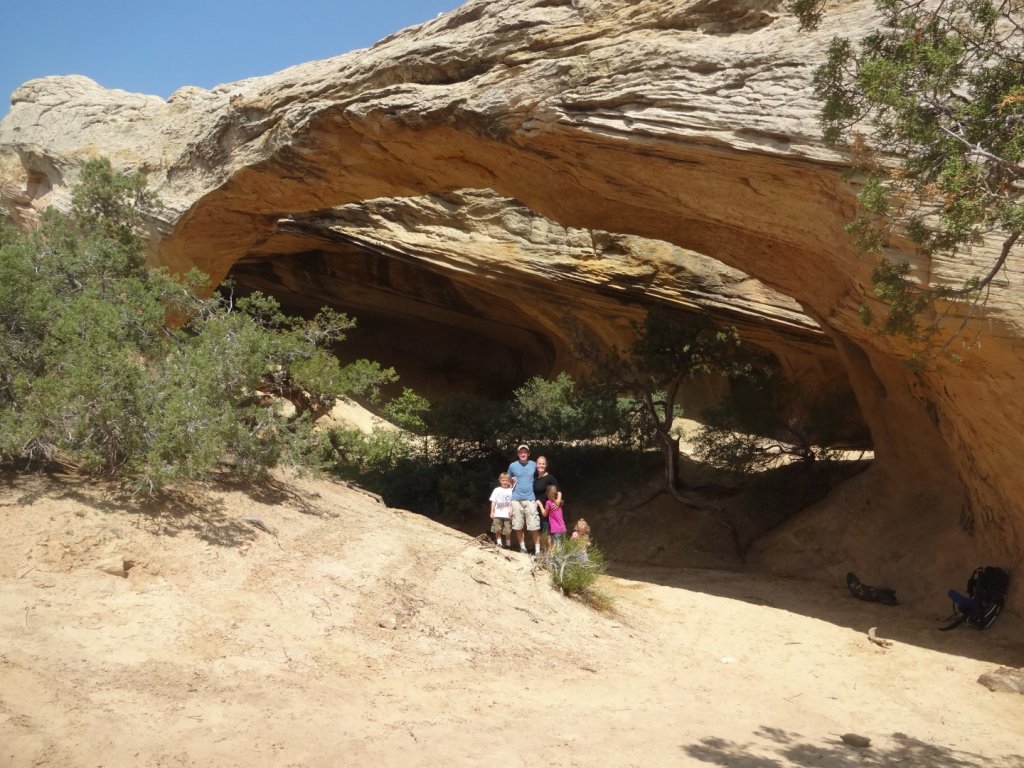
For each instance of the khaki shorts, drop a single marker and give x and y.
(525, 512)
(501, 525)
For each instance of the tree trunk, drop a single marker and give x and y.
(670, 450)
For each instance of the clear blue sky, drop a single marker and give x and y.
(157, 46)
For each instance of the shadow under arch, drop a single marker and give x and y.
(833, 603)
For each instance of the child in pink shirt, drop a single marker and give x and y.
(555, 515)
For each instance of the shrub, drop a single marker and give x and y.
(467, 427)
(130, 372)
(575, 568)
(387, 462)
(764, 420)
(462, 489)
(561, 410)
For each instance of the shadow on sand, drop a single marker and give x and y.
(774, 748)
(197, 511)
(834, 604)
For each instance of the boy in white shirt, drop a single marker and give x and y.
(501, 510)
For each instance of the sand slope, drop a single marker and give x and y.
(358, 635)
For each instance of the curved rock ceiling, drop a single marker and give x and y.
(680, 126)
(472, 290)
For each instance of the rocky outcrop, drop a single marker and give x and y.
(686, 123)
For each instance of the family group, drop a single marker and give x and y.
(528, 499)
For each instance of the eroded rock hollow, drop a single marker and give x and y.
(458, 182)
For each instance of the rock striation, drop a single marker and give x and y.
(681, 126)
(473, 290)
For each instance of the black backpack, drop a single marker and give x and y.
(986, 593)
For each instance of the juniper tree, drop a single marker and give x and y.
(932, 106)
(131, 372)
(670, 349)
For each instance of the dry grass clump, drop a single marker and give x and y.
(575, 566)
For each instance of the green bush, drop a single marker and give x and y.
(463, 490)
(764, 419)
(389, 463)
(360, 453)
(467, 427)
(130, 372)
(561, 410)
(575, 568)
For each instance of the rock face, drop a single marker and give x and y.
(467, 287)
(677, 125)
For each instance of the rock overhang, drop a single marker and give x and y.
(650, 119)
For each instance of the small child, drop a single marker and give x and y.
(582, 534)
(556, 516)
(501, 510)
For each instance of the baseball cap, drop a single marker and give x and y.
(521, 447)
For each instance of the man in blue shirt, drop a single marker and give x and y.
(524, 503)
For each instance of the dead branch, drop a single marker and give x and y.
(878, 640)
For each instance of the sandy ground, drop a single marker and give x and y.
(180, 634)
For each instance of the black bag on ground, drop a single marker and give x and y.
(871, 594)
(985, 598)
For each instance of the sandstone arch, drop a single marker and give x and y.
(651, 118)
